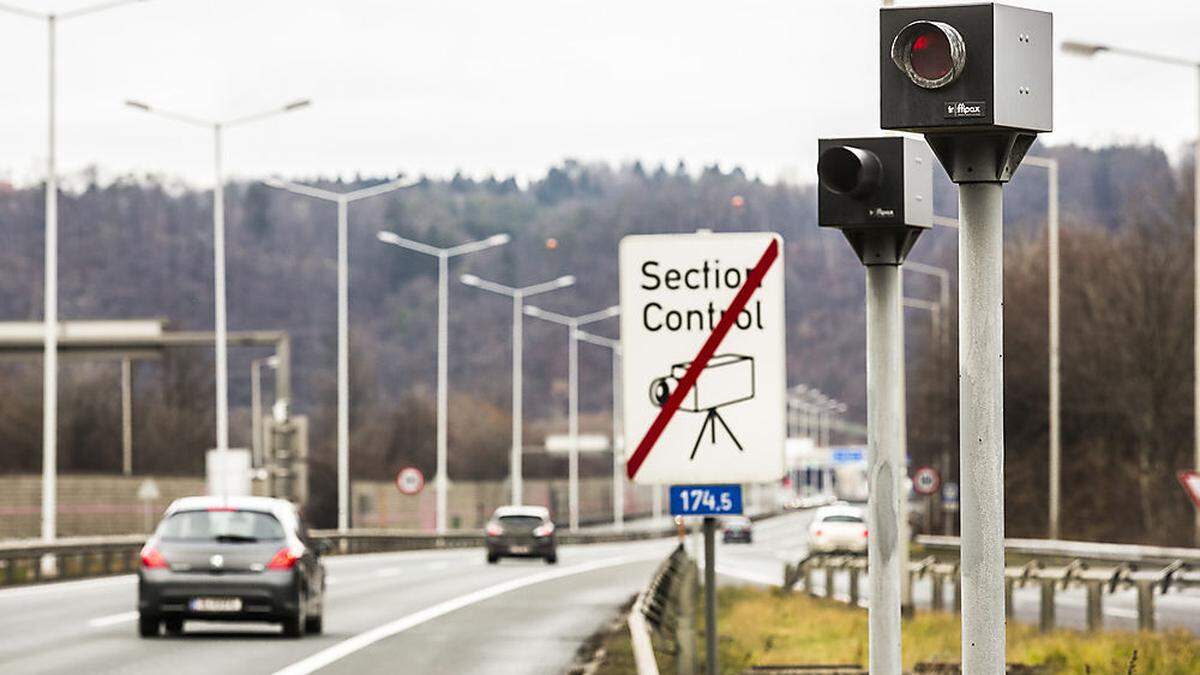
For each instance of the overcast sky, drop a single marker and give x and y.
(486, 86)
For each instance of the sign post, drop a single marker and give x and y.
(703, 375)
(926, 482)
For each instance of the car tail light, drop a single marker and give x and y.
(285, 559)
(494, 530)
(864, 531)
(544, 530)
(152, 559)
(817, 533)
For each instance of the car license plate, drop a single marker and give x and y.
(518, 549)
(215, 605)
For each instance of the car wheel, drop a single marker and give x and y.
(293, 626)
(147, 625)
(552, 559)
(174, 626)
(314, 624)
(492, 558)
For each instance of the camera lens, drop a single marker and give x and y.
(850, 171)
(931, 53)
(660, 391)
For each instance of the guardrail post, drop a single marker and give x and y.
(808, 580)
(1009, 582)
(1145, 604)
(1046, 607)
(854, 571)
(936, 600)
(829, 582)
(1095, 607)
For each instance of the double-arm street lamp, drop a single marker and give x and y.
(618, 476)
(572, 323)
(518, 296)
(50, 313)
(443, 256)
(217, 127)
(343, 201)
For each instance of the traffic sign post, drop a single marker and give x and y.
(926, 481)
(410, 480)
(704, 374)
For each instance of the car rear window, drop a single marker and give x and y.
(231, 526)
(529, 522)
(842, 518)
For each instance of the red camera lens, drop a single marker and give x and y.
(930, 55)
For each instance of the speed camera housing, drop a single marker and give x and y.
(946, 71)
(878, 191)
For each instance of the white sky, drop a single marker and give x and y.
(511, 87)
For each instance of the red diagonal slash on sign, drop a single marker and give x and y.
(701, 361)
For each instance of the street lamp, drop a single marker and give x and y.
(572, 324)
(343, 200)
(1089, 49)
(518, 296)
(618, 477)
(217, 126)
(50, 313)
(443, 255)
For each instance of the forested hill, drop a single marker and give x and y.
(139, 248)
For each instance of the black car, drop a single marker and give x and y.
(521, 531)
(231, 559)
(739, 528)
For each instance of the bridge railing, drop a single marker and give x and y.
(1051, 566)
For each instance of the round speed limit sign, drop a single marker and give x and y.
(926, 481)
(410, 480)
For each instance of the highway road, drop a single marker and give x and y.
(443, 611)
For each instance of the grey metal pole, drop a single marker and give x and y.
(1055, 357)
(573, 424)
(127, 416)
(256, 412)
(981, 391)
(901, 456)
(710, 596)
(343, 371)
(618, 486)
(443, 478)
(517, 438)
(886, 465)
(50, 354)
(222, 346)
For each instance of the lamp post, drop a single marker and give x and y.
(50, 290)
(618, 476)
(343, 201)
(217, 127)
(1089, 49)
(256, 430)
(518, 296)
(443, 255)
(572, 324)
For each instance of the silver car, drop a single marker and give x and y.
(231, 559)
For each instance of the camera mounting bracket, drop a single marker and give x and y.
(980, 157)
(875, 246)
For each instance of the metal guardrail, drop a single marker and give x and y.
(666, 606)
(1148, 575)
(82, 557)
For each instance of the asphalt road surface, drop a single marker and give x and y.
(444, 611)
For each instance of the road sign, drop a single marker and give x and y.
(927, 480)
(848, 455)
(410, 480)
(706, 500)
(702, 334)
(1190, 480)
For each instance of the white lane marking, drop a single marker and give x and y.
(437, 566)
(1122, 613)
(71, 586)
(366, 639)
(105, 621)
(388, 572)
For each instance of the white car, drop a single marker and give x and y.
(838, 529)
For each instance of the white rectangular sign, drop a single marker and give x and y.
(730, 426)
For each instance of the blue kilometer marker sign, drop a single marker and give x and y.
(706, 500)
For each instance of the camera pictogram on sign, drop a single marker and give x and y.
(725, 380)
